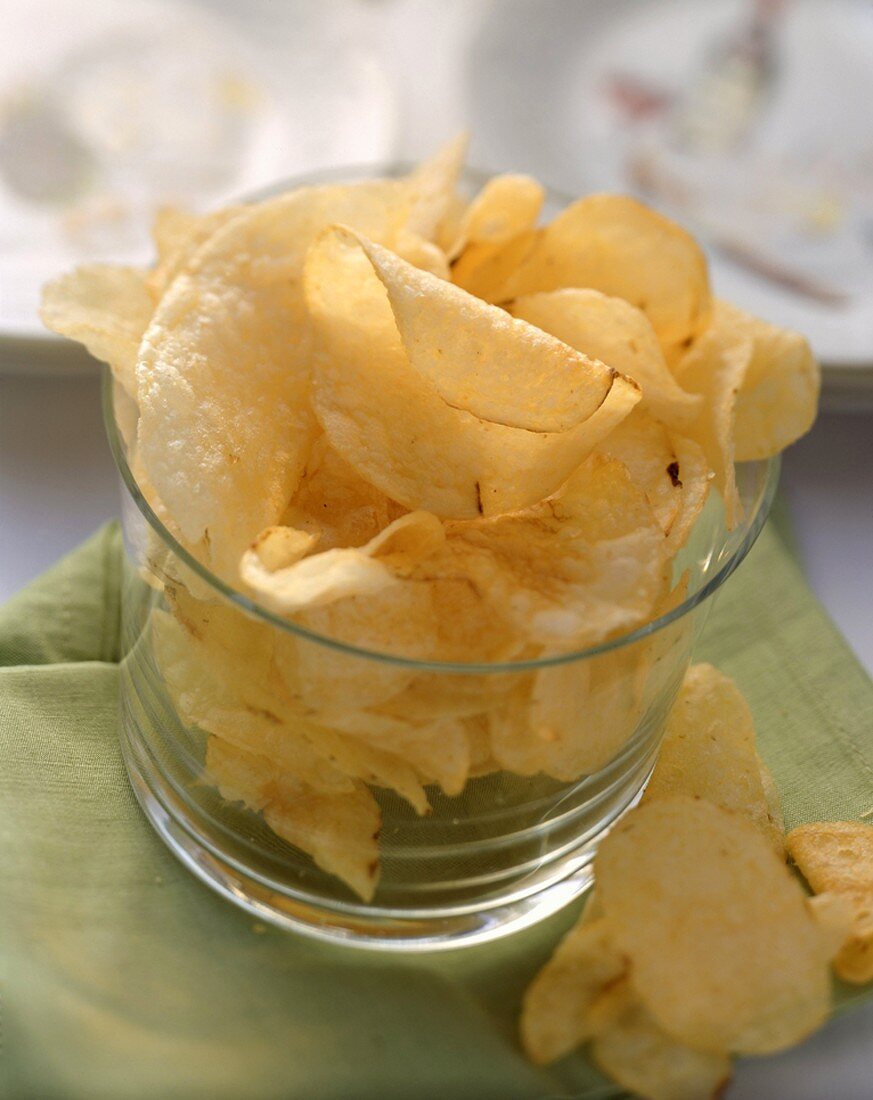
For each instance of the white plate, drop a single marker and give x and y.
(796, 192)
(108, 111)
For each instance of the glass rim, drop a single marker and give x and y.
(251, 607)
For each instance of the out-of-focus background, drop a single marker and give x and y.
(748, 120)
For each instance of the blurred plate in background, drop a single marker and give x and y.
(747, 120)
(110, 110)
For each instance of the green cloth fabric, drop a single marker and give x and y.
(124, 977)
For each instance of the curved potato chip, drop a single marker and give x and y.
(778, 399)
(575, 569)
(177, 235)
(233, 322)
(556, 1014)
(618, 334)
(708, 752)
(715, 368)
(438, 750)
(722, 947)
(431, 189)
(645, 447)
(484, 268)
(573, 720)
(339, 831)
(206, 696)
(617, 245)
(481, 360)
(396, 430)
(334, 502)
(837, 856)
(107, 309)
(694, 477)
(506, 206)
(335, 574)
(395, 620)
(634, 1051)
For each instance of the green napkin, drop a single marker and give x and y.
(124, 977)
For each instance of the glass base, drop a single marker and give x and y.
(378, 930)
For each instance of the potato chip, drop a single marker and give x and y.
(107, 309)
(394, 620)
(240, 649)
(694, 477)
(644, 446)
(572, 720)
(478, 358)
(339, 831)
(335, 503)
(233, 323)
(280, 547)
(759, 385)
(779, 396)
(397, 432)
(375, 767)
(573, 570)
(618, 334)
(715, 368)
(556, 1011)
(431, 189)
(506, 206)
(634, 1051)
(614, 244)
(438, 750)
(339, 573)
(178, 234)
(722, 947)
(708, 752)
(484, 268)
(837, 857)
(221, 706)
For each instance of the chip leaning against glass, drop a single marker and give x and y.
(430, 429)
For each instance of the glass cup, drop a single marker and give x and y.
(241, 730)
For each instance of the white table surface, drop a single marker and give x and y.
(57, 483)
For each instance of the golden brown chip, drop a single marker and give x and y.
(105, 308)
(577, 568)
(178, 234)
(779, 396)
(339, 831)
(335, 503)
(484, 269)
(837, 857)
(296, 583)
(572, 720)
(645, 448)
(481, 360)
(708, 751)
(233, 324)
(634, 1051)
(204, 694)
(614, 244)
(556, 1013)
(694, 476)
(506, 206)
(618, 334)
(715, 368)
(723, 950)
(395, 428)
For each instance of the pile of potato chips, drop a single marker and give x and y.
(424, 427)
(699, 942)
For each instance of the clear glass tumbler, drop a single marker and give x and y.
(482, 834)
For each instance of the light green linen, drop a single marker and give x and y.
(124, 977)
